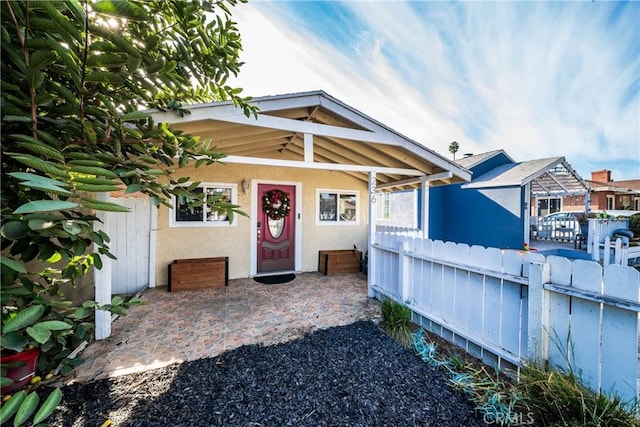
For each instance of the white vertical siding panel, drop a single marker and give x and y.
(130, 233)
(492, 296)
(620, 333)
(493, 260)
(586, 341)
(512, 263)
(389, 275)
(560, 323)
(476, 293)
(143, 230)
(461, 294)
(560, 270)
(132, 243)
(437, 281)
(510, 317)
(448, 282)
(524, 325)
(415, 266)
(423, 297)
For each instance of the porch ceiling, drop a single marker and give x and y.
(335, 133)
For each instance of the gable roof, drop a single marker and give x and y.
(550, 176)
(474, 160)
(316, 131)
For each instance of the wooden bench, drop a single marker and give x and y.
(198, 273)
(339, 261)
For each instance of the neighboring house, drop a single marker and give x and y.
(493, 209)
(608, 195)
(308, 151)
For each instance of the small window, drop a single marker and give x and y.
(636, 203)
(611, 202)
(384, 206)
(548, 205)
(183, 215)
(337, 207)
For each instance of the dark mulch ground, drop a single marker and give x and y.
(353, 375)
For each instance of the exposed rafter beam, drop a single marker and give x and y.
(443, 176)
(313, 128)
(320, 166)
(553, 178)
(326, 158)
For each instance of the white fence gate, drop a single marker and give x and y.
(506, 307)
(130, 243)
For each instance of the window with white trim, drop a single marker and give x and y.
(183, 215)
(384, 206)
(337, 207)
(611, 202)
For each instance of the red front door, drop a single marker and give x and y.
(276, 227)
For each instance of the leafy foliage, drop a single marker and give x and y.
(76, 78)
(634, 224)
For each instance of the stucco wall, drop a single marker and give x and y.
(234, 242)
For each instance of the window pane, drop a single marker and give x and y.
(186, 213)
(328, 206)
(225, 195)
(347, 207)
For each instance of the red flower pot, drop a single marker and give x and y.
(21, 375)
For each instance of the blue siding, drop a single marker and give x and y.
(492, 217)
(490, 164)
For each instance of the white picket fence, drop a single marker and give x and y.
(506, 306)
(602, 246)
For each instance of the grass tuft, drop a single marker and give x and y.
(542, 396)
(561, 398)
(395, 321)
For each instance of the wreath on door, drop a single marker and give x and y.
(276, 204)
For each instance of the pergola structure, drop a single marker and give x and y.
(548, 177)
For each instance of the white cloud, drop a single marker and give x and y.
(537, 79)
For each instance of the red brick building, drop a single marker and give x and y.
(607, 194)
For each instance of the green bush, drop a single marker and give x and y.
(634, 225)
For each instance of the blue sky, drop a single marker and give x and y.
(537, 79)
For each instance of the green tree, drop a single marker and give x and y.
(453, 148)
(75, 77)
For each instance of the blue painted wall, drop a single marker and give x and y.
(492, 217)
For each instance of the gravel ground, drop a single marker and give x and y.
(351, 375)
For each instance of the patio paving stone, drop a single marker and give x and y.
(181, 326)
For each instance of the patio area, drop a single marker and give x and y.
(181, 326)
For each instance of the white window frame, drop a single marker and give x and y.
(384, 198)
(173, 223)
(548, 199)
(611, 202)
(338, 193)
(636, 203)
